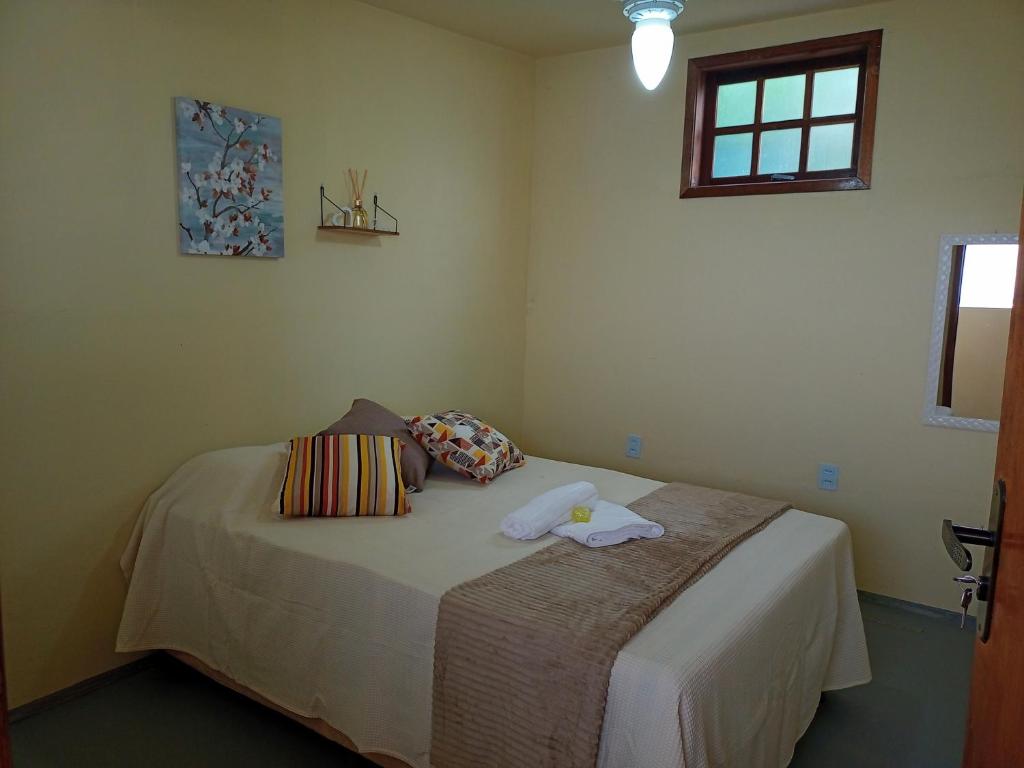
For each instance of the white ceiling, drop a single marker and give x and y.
(549, 27)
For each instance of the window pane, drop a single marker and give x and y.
(831, 146)
(732, 155)
(835, 92)
(783, 98)
(780, 151)
(988, 277)
(736, 104)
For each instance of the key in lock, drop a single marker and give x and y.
(965, 602)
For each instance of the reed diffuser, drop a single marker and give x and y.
(360, 218)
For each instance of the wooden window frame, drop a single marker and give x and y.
(706, 74)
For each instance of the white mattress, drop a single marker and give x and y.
(334, 619)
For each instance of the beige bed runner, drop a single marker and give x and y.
(523, 655)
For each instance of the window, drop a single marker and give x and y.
(986, 274)
(793, 118)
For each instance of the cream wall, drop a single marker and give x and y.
(747, 339)
(121, 358)
(979, 361)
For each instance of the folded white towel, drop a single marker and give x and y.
(544, 512)
(610, 524)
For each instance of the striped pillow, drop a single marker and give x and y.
(344, 476)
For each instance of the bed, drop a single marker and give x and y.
(332, 621)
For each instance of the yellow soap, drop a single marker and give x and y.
(580, 514)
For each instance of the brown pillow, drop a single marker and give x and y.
(366, 417)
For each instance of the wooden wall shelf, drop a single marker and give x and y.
(368, 232)
(357, 231)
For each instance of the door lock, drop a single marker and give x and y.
(956, 536)
(980, 587)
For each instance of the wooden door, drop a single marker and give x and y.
(995, 724)
(5, 742)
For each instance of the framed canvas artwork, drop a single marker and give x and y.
(231, 198)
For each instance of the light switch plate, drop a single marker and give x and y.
(634, 446)
(828, 477)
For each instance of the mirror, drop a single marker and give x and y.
(970, 330)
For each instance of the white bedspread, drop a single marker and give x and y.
(334, 619)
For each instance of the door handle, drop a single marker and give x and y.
(956, 536)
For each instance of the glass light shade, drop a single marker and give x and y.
(652, 50)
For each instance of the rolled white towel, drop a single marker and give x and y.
(544, 512)
(610, 524)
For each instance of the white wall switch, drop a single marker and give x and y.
(634, 446)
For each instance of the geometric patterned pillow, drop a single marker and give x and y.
(344, 476)
(462, 442)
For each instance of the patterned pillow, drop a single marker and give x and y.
(344, 476)
(462, 442)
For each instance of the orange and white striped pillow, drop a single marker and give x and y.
(344, 476)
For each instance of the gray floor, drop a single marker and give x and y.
(912, 715)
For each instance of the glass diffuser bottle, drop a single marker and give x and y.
(360, 218)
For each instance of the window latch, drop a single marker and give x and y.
(783, 177)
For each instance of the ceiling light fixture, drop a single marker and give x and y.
(652, 38)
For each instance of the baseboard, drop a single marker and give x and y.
(89, 685)
(942, 614)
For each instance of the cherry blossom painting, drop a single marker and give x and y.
(229, 180)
